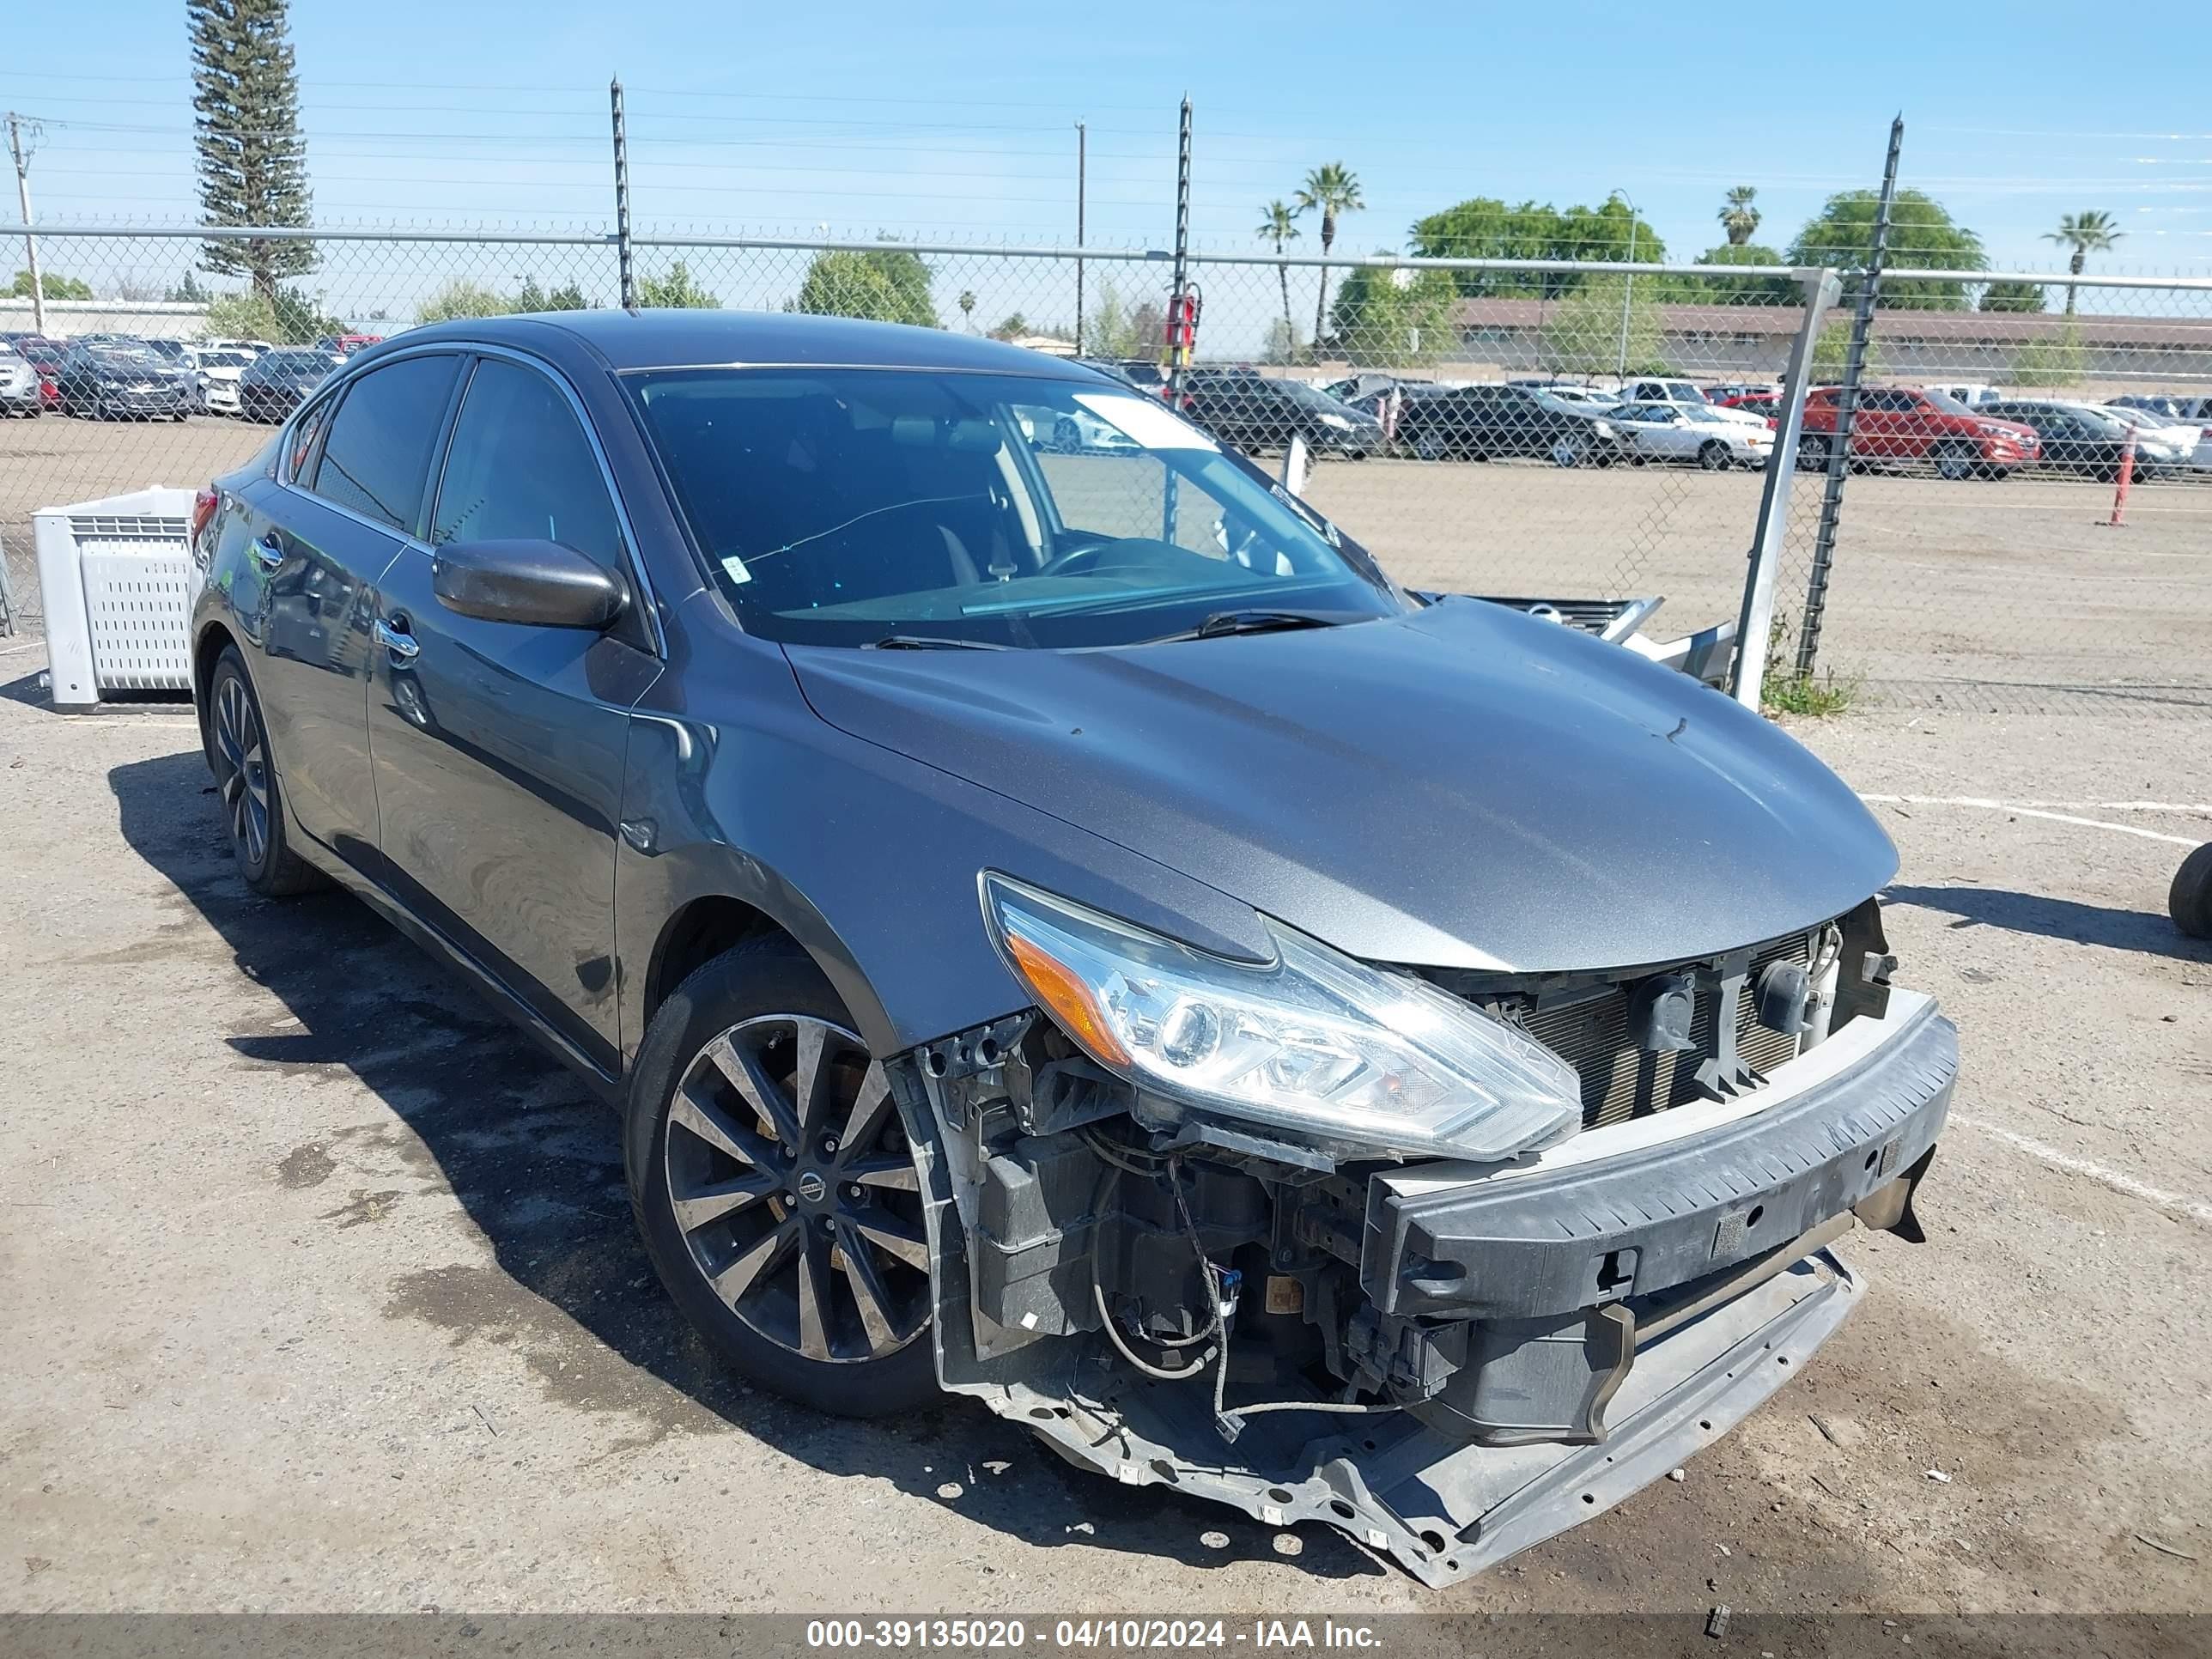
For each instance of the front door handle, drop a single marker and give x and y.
(397, 642)
(269, 551)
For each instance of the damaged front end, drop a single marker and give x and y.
(1449, 1354)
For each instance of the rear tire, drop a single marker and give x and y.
(1813, 451)
(247, 783)
(1713, 456)
(798, 1252)
(2190, 900)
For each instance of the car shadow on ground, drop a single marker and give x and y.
(535, 1160)
(2150, 930)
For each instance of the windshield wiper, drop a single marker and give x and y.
(934, 642)
(1254, 622)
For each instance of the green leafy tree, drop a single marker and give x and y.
(251, 161)
(882, 284)
(675, 290)
(463, 298)
(1735, 290)
(1394, 317)
(567, 297)
(2013, 296)
(2093, 232)
(290, 319)
(2053, 363)
(1278, 224)
(968, 309)
(1011, 327)
(1833, 349)
(529, 297)
(1921, 232)
(1332, 191)
(1485, 227)
(1113, 329)
(53, 287)
(189, 292)
(1584, 332)
(1738, 217)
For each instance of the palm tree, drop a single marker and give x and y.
(2093, 232)
(1330, 190)
(968, 309)
(1278, 224)
(1737, 215)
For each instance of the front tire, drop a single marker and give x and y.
(1812, 451)
(1714, 456)
(246, 780)
(2190, 900)
(773, 1186)
(1955, 461)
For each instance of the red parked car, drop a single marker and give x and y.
(1903, 424)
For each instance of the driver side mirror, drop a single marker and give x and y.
(539, 582)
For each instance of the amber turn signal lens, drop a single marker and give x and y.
(1068, 1000)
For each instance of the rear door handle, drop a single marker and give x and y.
(269, 551)
(397, 642)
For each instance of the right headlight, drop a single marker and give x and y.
(1313, 1045)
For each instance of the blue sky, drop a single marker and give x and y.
(957, 120)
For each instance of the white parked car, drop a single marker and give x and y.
(1691, 432)
(1584, 398)
(219, 368)
(1972, 394)
(1687, 394)
(2158, 440)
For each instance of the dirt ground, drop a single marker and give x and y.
(321, 1292)
(2000, 596)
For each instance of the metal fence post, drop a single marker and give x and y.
(1082, 181)
(624, 264)
(1756, 617)
(1847, 408)
(1178, 353)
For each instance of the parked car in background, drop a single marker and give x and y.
(1684, 394)
(250, 348)
(2169, 444)
(1486, 422)
(345, 345)
(1905, 423)
(1353, 387)
(1768, 403)
(1735, 393)
(2073, 437)
(1577, 396)
(274, 384)
(122, 380)
(1009, 915)
(1676, 432)
(22, 386)
(221, 367)
(1252, 412)
(1972, 394)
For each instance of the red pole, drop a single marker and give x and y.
(2118, 521)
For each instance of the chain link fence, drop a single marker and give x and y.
(1543, 428)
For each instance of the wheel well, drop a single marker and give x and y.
(694, 935)
(211, 646)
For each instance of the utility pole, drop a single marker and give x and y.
(625, 265)
(1627, 297)
(30, 237)
(1082, 160)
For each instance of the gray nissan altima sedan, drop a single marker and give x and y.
(1062, 926)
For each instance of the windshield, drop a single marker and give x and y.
(843, 506)
(295, 362)
(123, 356)
(225, 359)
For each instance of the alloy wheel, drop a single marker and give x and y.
(794, 1189)
(242, 758)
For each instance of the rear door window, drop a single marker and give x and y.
(377, 456)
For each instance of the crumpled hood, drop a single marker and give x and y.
(1464, 786)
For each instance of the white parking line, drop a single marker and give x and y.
(28, 645)
(2192, 1208)
(2019, 810)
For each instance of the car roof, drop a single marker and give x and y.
(672, 338)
